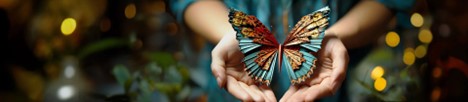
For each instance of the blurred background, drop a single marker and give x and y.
(135, 50)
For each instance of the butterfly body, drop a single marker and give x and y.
(262, 52)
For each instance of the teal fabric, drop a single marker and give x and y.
(177, 8)
(272, 14)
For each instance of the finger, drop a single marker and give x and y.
(292, 89)
(239, 73)
(321, 73)
(318, 91)
(258, 91)
(268, 93)
(255, 96)
(297, 96)
(236, 90)
(218, 67)
(340, 63)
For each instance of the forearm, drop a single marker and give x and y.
(209, 19)
(363, 24)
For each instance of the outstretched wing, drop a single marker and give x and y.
(305, 39)
(258, 45)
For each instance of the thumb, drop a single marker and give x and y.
(340, 63)
(218, 67)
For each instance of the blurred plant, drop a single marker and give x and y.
(377, 78)
(161, 79)
(89, 29)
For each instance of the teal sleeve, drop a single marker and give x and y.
(402, 9)
(177, 8)
(398, 5)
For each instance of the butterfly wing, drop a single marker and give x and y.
(258, 45)
(305, 39)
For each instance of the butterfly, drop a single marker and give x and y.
(262, 52)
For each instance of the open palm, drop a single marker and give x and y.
(331, 71)
(229, 71)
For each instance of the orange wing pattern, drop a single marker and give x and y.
(257, 44)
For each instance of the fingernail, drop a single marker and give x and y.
(219, 81)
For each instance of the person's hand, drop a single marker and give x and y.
(327, 78)
(229, 71)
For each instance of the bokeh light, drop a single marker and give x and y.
(408, 56)
(68, 26)
(420, 51)
(130, 11)
(380, 84)
(436, 72)
(69, 71)
(417, 20)
(377, 72)
(435, 95)
(392, 39)
(425, 36)
(444, 30)
(65, 92)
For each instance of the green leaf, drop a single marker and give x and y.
(153, 69)
(101, 45)
(145, 87)
(168, 87)
(122, 76)
(184, 72)
(164, 59)
(184, 93)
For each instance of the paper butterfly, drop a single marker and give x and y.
(261, 50)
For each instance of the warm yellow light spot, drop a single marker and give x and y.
(425, 36)
(408, 56)
(68, 26)
(417, 20)
(377, 72)
(420, 51)
(130, 11)
(435, 94)
(392, 39)
(409, 49)
(436, 72)
(380, 84)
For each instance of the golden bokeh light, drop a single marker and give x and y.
(392, 39)
(380, 84)
(130, 11)
(68, 26)
(377, 72)
(420, 51)
(417, 20)
(408, 56)
(425, 36)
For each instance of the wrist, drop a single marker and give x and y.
(330, 34)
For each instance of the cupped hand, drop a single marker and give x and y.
(229, 72)
(327, 78)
